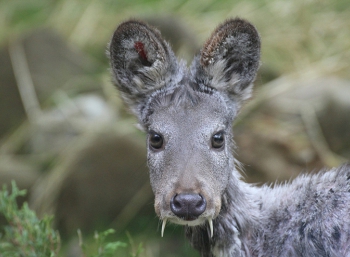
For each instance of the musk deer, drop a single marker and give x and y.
(187, 115)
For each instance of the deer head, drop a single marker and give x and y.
(187, 113)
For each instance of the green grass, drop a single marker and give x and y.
(26, 235)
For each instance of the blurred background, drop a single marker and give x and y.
(67, 138)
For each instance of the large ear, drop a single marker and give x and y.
(141, 62)
(229, 60)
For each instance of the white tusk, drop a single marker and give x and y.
(211, 226)
(163, 227)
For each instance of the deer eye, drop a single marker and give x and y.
(155, 140)
(218, 140)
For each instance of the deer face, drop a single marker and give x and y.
(189, 154)
(187, 114)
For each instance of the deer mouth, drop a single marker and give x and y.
(190, 209)
(197, 222)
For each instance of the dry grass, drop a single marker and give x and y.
(298, 36)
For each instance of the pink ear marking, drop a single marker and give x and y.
(140, 48)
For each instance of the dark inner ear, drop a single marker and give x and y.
(140, 48)
(232, 65)
(141, 63)
(245, 35)
(135, 45)
(237, 43)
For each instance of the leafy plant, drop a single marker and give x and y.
(103, 248)
(25, 235)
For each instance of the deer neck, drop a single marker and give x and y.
(234, 226)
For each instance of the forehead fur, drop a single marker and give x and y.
(186, 97)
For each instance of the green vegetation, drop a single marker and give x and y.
(25, 235)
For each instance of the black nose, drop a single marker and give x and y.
(188, 206)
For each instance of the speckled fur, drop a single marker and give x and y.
(308, 217)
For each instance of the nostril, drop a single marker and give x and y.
(188, 206)
(177, 202)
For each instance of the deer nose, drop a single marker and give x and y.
(188, 206)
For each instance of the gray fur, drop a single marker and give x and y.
(307, 217)
(135, 77)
